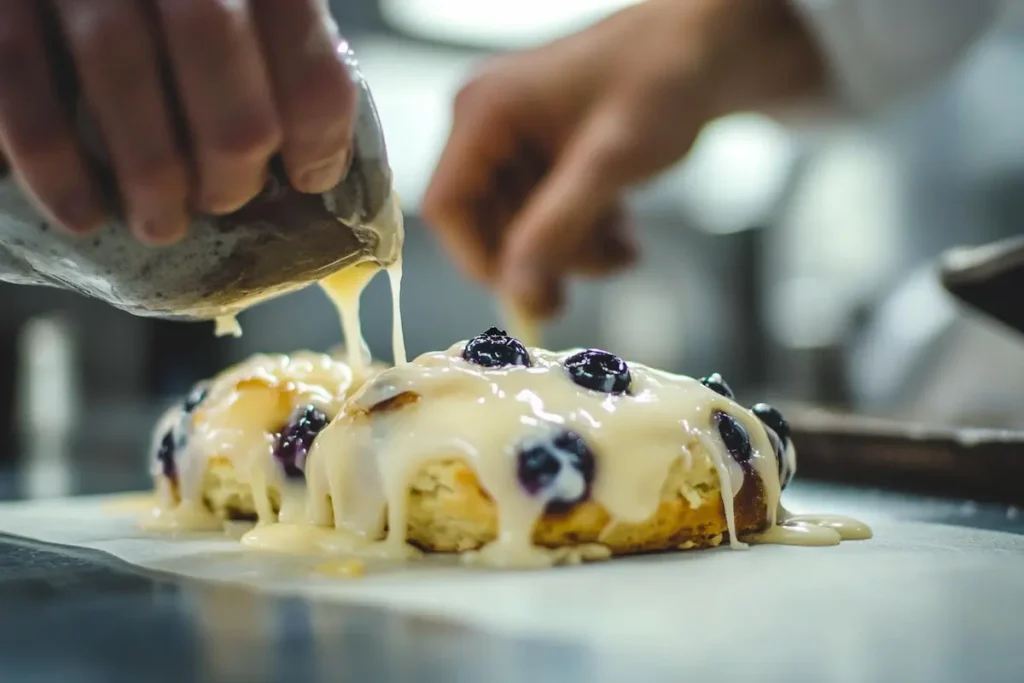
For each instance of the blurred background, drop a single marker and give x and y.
(797, 261)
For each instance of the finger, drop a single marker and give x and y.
(116, 58)
(462, 190)
(560, 217)
(35, 132)
(222, 80)
(612, 246)
(315, 95)
(512, 180)
(609, 248)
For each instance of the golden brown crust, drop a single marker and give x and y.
(449, 511)
(406, 398)
(229, 498)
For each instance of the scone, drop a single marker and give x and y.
(237, 445)
(531, 456)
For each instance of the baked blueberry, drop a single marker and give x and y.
(165, 455)
(774, 420)
(296, 438)
(559, 469)
(777, 446)
(734, 436)
(195, 397)
(599, 370)
(495, 349)
(715, 383)
(785, 474)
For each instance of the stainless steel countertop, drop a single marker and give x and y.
(75, 616)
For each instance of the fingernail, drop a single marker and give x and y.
(218, 204)
(163, 229)
(79, 211)
(322, 177)
(532, 289)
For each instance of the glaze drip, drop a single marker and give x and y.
(541, 433)
(537, 442)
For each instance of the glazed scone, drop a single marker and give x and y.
(525, 454)
(238, 444)
(449, 511)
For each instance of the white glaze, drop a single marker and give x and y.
(245, 407)
(364, 463)
(481, 414)
(248, 403)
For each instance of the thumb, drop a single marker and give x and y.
(550, 233)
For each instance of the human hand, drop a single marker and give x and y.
(192, 98)
(529, 189)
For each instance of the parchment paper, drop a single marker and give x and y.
(914, 589)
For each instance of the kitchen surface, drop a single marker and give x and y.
(72, 614)
(801, 259)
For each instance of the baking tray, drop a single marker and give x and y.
(955, 461)
(959, 462)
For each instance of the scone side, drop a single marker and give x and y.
(449, 511)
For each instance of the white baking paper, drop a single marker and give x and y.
(927, 584)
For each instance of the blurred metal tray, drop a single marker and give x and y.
(980, 464)
(985, 464)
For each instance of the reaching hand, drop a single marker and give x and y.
(530, 186)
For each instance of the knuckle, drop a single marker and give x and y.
(476, 95)
(613, 142)
(493, 89)
(487, 100)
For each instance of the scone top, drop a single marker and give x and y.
(543, 431)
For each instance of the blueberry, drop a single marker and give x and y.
(785, 474)
(715, 383)
(777, 446)
(495, 349)
(773, 419)
(734, 436)
(559, 469)
(195, 397)
(780, 455)
(165, 455)
(296, 438)
(599, 371)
